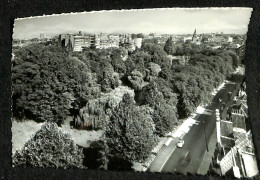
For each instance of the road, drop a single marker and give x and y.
(195, 142)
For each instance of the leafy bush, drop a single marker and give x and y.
(50, 147)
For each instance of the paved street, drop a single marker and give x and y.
(194, 140)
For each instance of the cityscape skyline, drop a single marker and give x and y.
(161, 21)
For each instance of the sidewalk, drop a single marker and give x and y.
(203, 169)
(207, 159)
(144, 166)
(161, 153)
(162, 157)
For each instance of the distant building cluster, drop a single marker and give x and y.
(130, 42)
(77, 42)
(208, 38)
(42, 36)
(235, 155)
(162, 38)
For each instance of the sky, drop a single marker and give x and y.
(161, 21)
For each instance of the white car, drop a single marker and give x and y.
(180, 143)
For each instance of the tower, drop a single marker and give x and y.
(42, 35)
(194, 36)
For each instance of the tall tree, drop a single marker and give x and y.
(130, 132)
(50, 148)
(169, 47)
(165, 112)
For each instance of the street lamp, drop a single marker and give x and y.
(205, 136)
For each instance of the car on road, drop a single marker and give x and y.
(185, 159)
(180, 143)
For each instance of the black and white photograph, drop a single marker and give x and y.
(158, 90)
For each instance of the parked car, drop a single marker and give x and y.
(180, 143)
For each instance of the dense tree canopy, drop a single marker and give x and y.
(136, 80)
(158, 55)
(139, 35)
(196, 81)
(187, 49)
(110, 79)
(138, 61)
(130, 132)
(164, 102)
(153, 41)
(152, 71)
(47, 83)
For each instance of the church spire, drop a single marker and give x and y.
(194, 34)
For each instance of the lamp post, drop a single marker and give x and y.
(205, 136)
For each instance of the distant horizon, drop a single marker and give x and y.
(178, 21)
(53, 35)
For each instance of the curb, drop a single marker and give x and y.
(167, 158)
(154, 153)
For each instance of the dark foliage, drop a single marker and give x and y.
(163, 101)
(169, 47)
(136, 80)
(153, 41)
(130, 132)
(237, 78)
(196, 81)
(47, 83)
(138, 61)
(158, 55)
(50, 147)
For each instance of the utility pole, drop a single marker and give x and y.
(205, 136)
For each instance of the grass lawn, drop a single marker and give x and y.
(23, 131)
